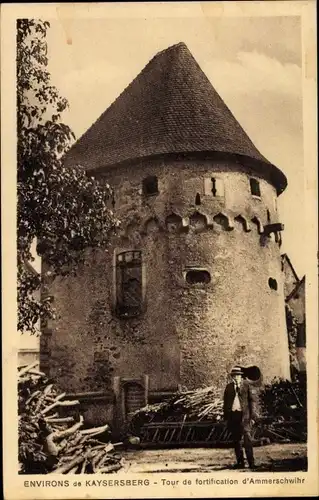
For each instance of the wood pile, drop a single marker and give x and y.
(284, 411)
(52, 435)
(201, 404)
(282, 408)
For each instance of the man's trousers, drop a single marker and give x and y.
(239, 429)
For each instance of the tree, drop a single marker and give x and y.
(63, 209)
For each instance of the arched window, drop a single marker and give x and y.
(129, 288)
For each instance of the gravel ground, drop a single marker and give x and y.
(274, 458)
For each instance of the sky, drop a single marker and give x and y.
(254, 63)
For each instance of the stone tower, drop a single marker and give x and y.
(192, 283)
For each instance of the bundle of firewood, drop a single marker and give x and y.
(280, 405)
(200, 404)
(52, 437)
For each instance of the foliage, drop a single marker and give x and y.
(292, 327)
(64, 209)
(283, 398)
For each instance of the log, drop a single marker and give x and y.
(104, 456)
(75, 444)
(95, 430)
(109, 447)
(73, 471)
(39, 403)
(98, 447)
(49, 399)
(54, 415)
(118, 445)
(97, 459)
(37, 373)
(70, 430)
(93, 441)
(53, 420)
(74, 454)
(48, 389)
(97, 433)
(67, 403)
(33, 395)
(60, 396)
(66, 467)
(83, 466)
(75, 449)
(51, 447)
(62, 444)
(28, 368)
(109, 468)
(59, 403)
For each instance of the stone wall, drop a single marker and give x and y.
(187, 334)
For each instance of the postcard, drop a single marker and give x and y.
(160, 260)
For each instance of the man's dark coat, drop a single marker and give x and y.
(247, 400)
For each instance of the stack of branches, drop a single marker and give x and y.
(281, 408)
(284, 399)
(201, 404)
(284, 411)
(52, 437)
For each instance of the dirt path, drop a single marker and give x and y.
(276, 457)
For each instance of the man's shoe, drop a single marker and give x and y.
(253, 467)
(239, 465)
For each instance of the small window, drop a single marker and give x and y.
(214, 186)
(150, 186)
(129, 283)
(268, 216)
(197, 199)
(254, 187)
(113, 200)
(273, 284)
(197, 276)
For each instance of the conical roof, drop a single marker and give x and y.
(170, 107)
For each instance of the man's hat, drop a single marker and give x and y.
(237, 370)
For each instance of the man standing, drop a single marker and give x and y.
(239, 413)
